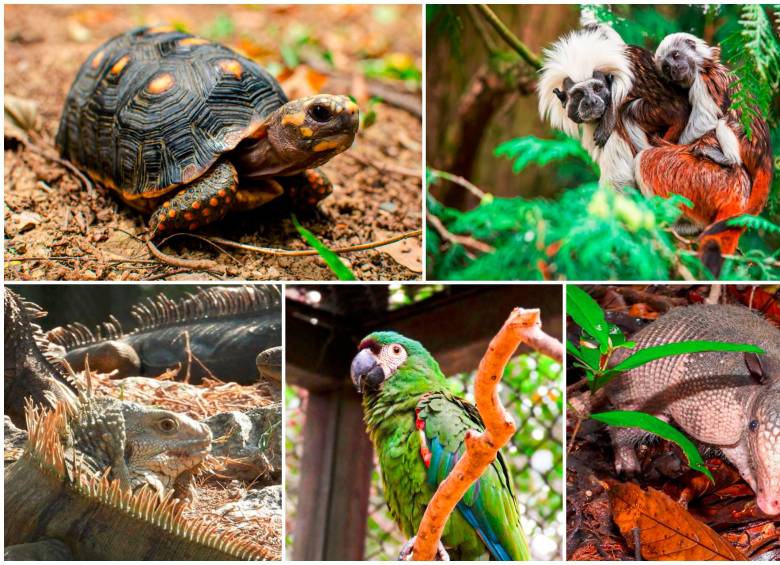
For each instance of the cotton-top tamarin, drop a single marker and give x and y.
(742, 183)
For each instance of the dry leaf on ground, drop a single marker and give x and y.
(666, 530)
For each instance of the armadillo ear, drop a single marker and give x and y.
(756, 367)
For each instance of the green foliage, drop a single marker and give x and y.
(649, 423)
(445, 20)
(754, 222)
(331, 259)
(531, 149)
(753, 53)
(590, 233)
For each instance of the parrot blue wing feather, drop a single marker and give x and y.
(471, 505)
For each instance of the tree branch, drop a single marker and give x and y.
(510, 38)
(522, 326)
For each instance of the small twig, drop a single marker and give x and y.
(201, 238)
(510, 38)
(194, 264)
(637, 543)
(472, 188)
(522, 326)
(307, 252)
(466, 241)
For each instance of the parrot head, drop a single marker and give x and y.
(381, 355)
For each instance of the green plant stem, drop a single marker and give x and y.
(510, 38)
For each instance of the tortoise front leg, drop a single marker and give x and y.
(306, 189)
(204, 201)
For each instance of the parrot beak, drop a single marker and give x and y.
(366, 370)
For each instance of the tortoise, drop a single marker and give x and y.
(189, 130)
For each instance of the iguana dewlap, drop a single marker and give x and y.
(728, 400)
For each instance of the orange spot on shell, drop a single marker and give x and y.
(171, 213)
(231, 67)
(227, 200)
(214, 202)
(167, 204)
(120, 64)
(190, 41)
(221, 193)
(161, 83)
(97, 59)
(193, 226)
(206, 212)
(196, 205)
(188, 216)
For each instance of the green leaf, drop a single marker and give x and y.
(631, 419)
(659, 351)
(330, 258)
(573, 350)
(587, 314)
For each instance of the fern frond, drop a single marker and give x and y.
(754, 223)
(533, 150)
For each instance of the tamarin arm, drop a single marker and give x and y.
(606, 126)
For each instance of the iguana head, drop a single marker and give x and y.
(161, 444)
(142, 445)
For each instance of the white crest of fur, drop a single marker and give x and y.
(678, 41)
(576, 56)
(729, 144)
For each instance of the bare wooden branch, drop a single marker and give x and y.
(522, 326)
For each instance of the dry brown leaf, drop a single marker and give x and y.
(407, 252)
(666, 530)
(21, 117)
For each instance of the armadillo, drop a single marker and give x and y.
(730, 401)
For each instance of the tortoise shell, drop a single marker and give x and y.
(154, 108)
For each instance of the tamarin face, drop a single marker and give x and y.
(680, 56)
(586, 101)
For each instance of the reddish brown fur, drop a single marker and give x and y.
(717, 193)
(659, 108)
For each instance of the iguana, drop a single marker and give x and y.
(219, 330)
(28, 373)
(82, 487)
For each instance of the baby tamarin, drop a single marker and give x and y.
(741, 185)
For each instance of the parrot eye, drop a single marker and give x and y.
(753, 425)
(396, 349)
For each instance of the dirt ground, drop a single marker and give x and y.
(55, 230)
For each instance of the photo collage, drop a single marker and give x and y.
(369, 282)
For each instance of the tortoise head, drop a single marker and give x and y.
(299, 135)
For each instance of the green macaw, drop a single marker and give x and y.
(418, 428)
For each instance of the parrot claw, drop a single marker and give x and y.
(408, 547)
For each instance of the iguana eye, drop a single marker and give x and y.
(753, 425)
(168, 425)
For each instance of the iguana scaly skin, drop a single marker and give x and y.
(28, 373)
(53, 495)
(221, 328)
(728, 400)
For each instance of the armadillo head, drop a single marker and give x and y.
(764, 447)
